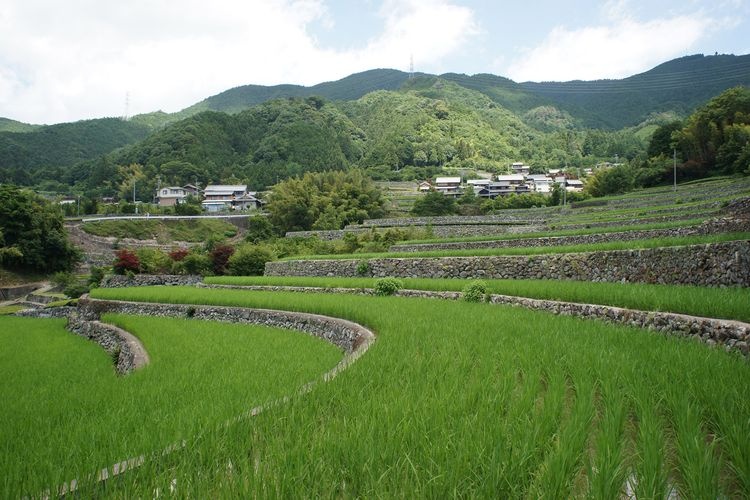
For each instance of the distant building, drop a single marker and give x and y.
(170, 196)
(218, 197)
(540, 182)
(574, 185)
(520, 168)
(449, 186)
(424, 186)
(513, 179)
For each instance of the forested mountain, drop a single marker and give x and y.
(22, 154)
(678, 86)
(262, 145)
(8, 125)
(393, 125)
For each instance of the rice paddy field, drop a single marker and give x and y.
(725, 303)
(474, 400)
(453, 399)
(66, 414)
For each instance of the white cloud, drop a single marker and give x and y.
(62, 61)
(620, 47)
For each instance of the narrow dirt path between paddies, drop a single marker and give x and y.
(479, 400)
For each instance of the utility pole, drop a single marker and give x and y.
(674, 162)
(136, 206)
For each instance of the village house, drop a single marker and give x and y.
(424, 186)
(520, 169)
(574, 185)
(542, 183)
(218, 197)
(449, 186)
(170, 196)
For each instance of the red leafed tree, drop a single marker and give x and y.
(178, 254)
(220, 257)
(125, 261)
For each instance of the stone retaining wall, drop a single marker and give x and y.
(120, 281)
(732, 335)
(450, 220)
(347, 335)
(717, 264)
(127, 352)
(449, 231)
(710, 227)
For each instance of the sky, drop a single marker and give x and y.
(81, 59)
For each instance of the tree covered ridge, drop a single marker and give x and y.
(32, 235)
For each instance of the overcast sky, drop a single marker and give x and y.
(78, 59)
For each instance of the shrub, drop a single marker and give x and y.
(363, 268)
(259, 229)
(250, 260)
(178, 254)
(96, 277)
(76, 289)
(475, 291)
(126, 261)
(63, 279)
(388, 286)
(220, 258)
(153, 261)
(194, 263)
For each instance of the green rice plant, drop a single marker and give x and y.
(607, 470)
(564, 232)
(11, 309)
(66, 414)
(454, 399)
(727, 303)
(699, 462)
(651, 469)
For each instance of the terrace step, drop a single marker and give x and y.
(731, 334)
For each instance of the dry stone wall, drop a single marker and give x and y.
(732, 335)
(347, 335)
(711, 227)
(718, 264)
(127, 352)
(120, 281)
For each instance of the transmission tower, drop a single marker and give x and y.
(411, 66)
(126, 116)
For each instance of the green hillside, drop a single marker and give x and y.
(678, 86)
(260, 146)
(8, 125)
(63, 145)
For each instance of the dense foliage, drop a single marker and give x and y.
(32, 235)
(328, 200)
(43, 152)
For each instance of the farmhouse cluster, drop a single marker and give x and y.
(214, 197)
(519, 182)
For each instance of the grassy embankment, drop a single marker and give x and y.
(478, 400)
(164, 231)
(65, 414)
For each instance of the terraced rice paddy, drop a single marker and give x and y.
(478, 400)
(65, 414)
(591, 247)
(725, 303)
(454, 399)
